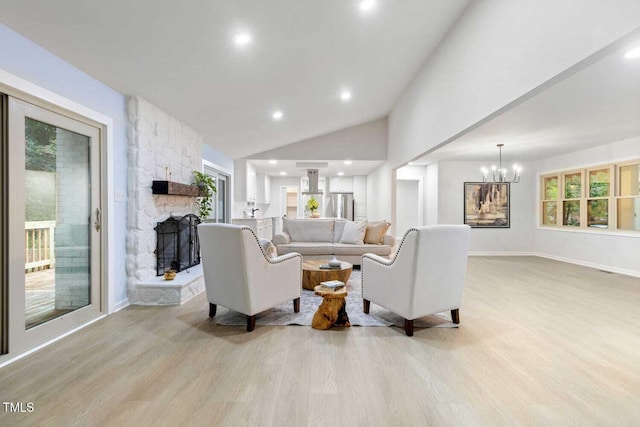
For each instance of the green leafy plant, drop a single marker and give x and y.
(207, 187)
(312, 204)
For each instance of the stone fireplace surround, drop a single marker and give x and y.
(157, 141)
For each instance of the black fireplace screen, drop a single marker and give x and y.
(177, 247)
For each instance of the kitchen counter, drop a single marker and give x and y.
(263, 226)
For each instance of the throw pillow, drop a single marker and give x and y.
(353, 232)
(268, 248)
(375, 232)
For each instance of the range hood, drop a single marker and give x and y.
(312, 175)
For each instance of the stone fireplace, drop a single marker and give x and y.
(177, 244)
(160, 148)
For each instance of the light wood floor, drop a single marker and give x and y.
(541, 343)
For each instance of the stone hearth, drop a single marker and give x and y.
(157, 291)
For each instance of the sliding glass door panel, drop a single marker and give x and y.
(55, 224)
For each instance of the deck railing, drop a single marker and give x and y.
(38, 250)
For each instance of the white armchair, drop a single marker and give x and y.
(425, 277)
(239, 275)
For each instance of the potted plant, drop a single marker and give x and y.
(207, 187)
(312, 205)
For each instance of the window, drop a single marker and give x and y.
(628, 198)
(571, 199)
(586, 198)
(550, 200)
(598, 197)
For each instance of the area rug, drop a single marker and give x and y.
(378, 316)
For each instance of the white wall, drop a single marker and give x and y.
(411, 172)
(498, 51)
(212, 155)
(367, 141)
(408, 213)
(518, 239)
(613, 251)
(379, 195)
(619, 151)
(431, 195)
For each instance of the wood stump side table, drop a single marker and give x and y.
(332, 310)
(312, 274)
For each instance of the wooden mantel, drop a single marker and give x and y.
(175, 189)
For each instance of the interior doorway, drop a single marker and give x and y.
(289, 201)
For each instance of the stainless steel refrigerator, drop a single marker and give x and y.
(341, 205)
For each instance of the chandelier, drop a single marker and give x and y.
(499, 174)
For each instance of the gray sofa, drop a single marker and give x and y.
(320, 239)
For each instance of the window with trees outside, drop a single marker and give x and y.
(628, 198)
(571, 198)
(586, 198)
(550, 200)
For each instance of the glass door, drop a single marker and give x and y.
(55, 224)
(220, 204)
(221, 211)
(4, 272)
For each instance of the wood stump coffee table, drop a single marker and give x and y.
(312, 274)
(333, 310)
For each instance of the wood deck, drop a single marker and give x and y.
(40, 296)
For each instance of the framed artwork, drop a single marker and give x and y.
(486, 204)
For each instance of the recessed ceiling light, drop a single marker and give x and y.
(283, 173)
(273, 162)
(633, 53)
(277, 115)
(347, 162)
(345, 95)
(340, 173)
(242, 38)
(367, 5)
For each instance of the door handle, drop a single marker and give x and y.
(98, 223)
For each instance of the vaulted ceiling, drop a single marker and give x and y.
(304, 53)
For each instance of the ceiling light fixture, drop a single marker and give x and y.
(633, 53)
(347, 162)
(367, 5)
(501, 172)
(242, 38)
(273, 162)
(283, 173)
(277, 115)
(345, 96)
(340, 173)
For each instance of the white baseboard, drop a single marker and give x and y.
(489, 253)
(120, 305)
(603, 267)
